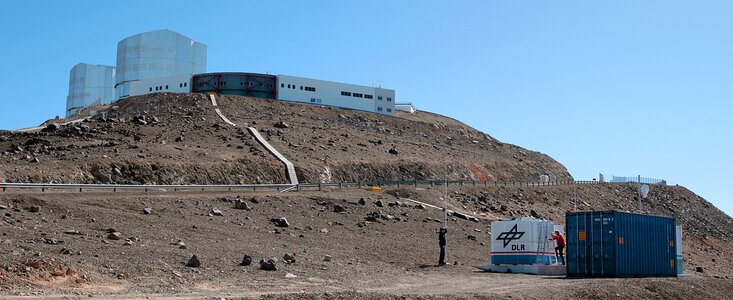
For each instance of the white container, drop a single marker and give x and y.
(520, 245)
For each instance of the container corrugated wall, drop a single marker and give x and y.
(619, 244)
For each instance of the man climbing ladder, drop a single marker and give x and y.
(559, 250)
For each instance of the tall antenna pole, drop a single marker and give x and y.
(638, 189)
(575, 198)
(445, 198)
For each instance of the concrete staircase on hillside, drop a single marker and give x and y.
(291, 169)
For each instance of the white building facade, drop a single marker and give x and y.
(89, 85)
(156, 54)
(170, 84)
(350, 96)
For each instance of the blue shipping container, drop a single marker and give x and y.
(620, 244)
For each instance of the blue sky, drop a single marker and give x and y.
(619, 87)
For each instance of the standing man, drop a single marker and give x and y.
(442, 242)
(560, 241)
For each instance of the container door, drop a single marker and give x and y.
(577, 245)
(604, 243)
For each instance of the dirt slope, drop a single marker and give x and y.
(389, 256)
(179, 139)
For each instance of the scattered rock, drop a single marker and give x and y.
(289, 258)
(290, 275)
(65, 251)
(471, 237)
(268, 265)
(362, 201)
(147, 211)
(282, 124)
(460, 215)
(72, 232)
(180, 244)
(115, 236)
(239, 204)
(254, 200)
(699, 270)
(34, 209)
(324, 230)
(216, 212)
(246, 261)
(280, 222)
(51, 241)
(393, 151)
(534, 214)
(339, 208)
(327, 258)
(193, 262)
(379, 203)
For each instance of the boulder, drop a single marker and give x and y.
(280, 222)
(115, 236)
(246, 261)
(362, 201)
(379, 203)
(193, 262)
(239, 204)
(216, 212)
(268, 265)
(339, 208)
(289, 258)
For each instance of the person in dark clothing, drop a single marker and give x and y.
(559, 250)
(442, 242)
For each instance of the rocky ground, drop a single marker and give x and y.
(179, 139)
(336, 246)
(340, 244)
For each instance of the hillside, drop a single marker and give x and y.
(347, 243)
(179, 139)
(385, 252)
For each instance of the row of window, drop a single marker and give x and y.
(316, 100)
(241, 83)
(302, 88)
(159, 88)
(380, 109)
(360, 95)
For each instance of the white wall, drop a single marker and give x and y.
(329, 93)
(173, 84)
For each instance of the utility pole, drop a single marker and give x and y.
(445, 199)
(638, 190)
(575, 198)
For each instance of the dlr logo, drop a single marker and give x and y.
(518, 247)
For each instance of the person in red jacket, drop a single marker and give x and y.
(559, 250)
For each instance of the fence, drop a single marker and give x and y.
(637, 179)
(283, 187)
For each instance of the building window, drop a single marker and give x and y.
(241, 83)
(151, 89)
(379, 97)
(368, 96)
(379, 109)
(389, 110)
(180, 85)
(282, 85)
(345, 93)
(166, 86)
(185, 84)
(389, 98)
(358, 95)
(301, 87)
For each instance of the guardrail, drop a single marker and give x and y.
(283, 187)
